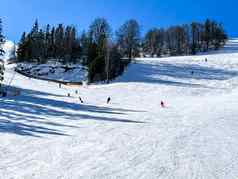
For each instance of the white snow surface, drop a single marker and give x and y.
(45, 134)
(8, 47)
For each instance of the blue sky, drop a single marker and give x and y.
(19, 15)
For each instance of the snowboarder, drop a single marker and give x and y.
(80, 99)
(108, 100)
(162, 104)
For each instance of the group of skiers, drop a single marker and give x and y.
(81, 100)
(162, 103)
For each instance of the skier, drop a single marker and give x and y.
(80, 99)
(162, 104)
(205, 59)
(108, 100)
(59, 85)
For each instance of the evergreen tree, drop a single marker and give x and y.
(116, 67)
(99, 35)
(47, 42)
(41, 47)
(2, 41)
(76, 51)
(52, 46)
(59, 42)
(207, 33)
(194, 38)
(84, 44)
(1, 73)
(34, 41)
(96, 70)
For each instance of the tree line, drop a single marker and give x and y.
(2, 41)
(106, 54)
(52, 42)
(184, 39)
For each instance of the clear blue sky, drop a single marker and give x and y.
(19, 15)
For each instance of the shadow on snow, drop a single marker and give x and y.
(152, 73)
(28, 113)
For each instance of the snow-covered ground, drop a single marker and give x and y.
(45, 134)
(66, 73)
(8, 47)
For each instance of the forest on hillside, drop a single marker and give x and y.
(106, 53)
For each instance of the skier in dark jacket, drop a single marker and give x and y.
(162, 104)
(108, 100)
(80, 99)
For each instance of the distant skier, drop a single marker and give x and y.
(76, 92)
(162, 104)
(59, 85)
(80, 99)
(205, 59)
(108, 100)
(68, 94)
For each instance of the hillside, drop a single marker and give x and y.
(45, 134)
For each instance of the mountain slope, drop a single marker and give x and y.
(45, 134)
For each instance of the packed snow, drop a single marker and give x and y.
(45, 134)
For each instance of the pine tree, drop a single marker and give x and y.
(1, 73)
(2, 41)
(47, 42)
(59, 42)
(207, 33)
(99, 35)
(52, 46)
(194, 38)
(116, 67)
(41, 47)
(84, 43)
(76, 50)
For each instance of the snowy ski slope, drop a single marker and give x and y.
(46, 135)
